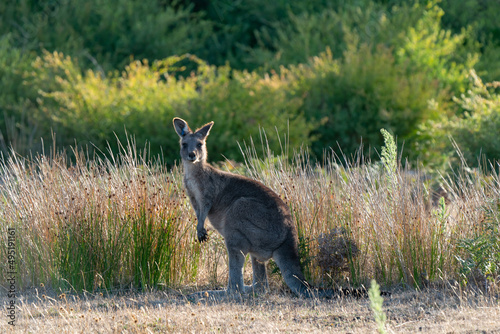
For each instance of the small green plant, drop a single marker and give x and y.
(389, 154)
(476, 131)
(376, 304)
(436, 253)
(154, 243)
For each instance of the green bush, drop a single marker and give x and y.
(479, 254)
(476, 133)
(471, 137)
(440, 55)
(482, 15)
(242, 104)
(391, 64)
(243, 26)
(17, 129)
(235, 24)
(488, 66)
(353, 98)
(91, 109)
(306, 34)
(143, 99)
(385, 67)
(105, 35)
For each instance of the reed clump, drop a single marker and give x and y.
(97, 223)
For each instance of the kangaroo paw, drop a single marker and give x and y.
(202, 235)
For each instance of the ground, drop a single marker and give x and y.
(428, 311)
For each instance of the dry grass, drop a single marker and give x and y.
(407, 226)
(430, 311)
(97, 223)
(125, 221)
(124, 224)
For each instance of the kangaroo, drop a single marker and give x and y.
(250, 216)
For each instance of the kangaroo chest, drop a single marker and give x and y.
(203, 193)
(194, 191)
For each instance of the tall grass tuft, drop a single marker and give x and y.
(398, 225)
(97, 223)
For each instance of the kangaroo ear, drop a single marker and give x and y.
(181, 127)
(204, 130)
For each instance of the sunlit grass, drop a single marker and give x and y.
(407, 225)
(99, 223)
(123, 221)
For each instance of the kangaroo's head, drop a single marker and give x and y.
(193, 148)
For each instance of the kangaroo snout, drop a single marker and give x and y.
(192, 156)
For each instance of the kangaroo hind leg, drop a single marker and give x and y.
(236, 262)
(260, 283)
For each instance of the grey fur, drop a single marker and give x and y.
(251, 217)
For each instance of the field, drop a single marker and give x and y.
(92, 233)
(428, 311)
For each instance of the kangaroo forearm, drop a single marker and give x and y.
(200, 228)
(201, 215)
(201, 222)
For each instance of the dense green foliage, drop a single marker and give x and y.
(323, 73)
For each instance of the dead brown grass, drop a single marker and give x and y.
(125, 220)
(430, 311)
(403, 239)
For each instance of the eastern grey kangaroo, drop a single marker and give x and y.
(251, 217)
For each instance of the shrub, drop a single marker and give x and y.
(393, 67)
(478, 252)
(242, 27)
(479, 14)
(92, 109)
(480, 258)
(435, 52)
(336, 252)
(352, 98)
(488, 66)
(104, 35)
(305, 34)
(17, 128)
(235, 25)
(476, 133)
(143, 99)
(244, 106)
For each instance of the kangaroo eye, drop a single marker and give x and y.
(199, 145)
(184, 145)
